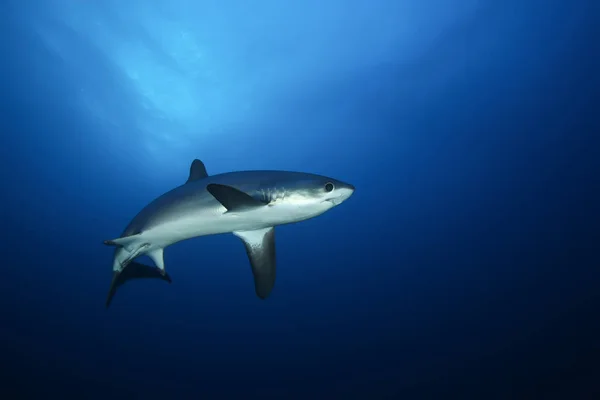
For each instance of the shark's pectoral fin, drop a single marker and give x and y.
(232, 199)
(134, 270)
(260, 246)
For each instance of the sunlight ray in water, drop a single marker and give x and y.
(182, 73)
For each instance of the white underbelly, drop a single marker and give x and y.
(212, 223)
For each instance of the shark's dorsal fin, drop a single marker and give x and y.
(232, 199)
(197, 171)
(260, 247)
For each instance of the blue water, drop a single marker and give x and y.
(464, 266)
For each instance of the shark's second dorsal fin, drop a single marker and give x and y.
(197, 171)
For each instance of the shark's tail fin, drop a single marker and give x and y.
(134, 270)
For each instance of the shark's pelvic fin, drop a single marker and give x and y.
(197, 171)
(132, 244)
(134, 270)
(122, 241)
(232, 199)
(260, 246)
(158, 257)
(133, 254)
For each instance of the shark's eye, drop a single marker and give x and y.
(329, 187)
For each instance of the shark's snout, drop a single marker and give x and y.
(347, 190)
(343, 192)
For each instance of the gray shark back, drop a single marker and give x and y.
(263, 185)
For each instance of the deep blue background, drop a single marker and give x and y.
(466, 263)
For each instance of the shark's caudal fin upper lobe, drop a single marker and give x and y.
(134, 270)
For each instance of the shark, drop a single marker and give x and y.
(136, 270)
(247, 204)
